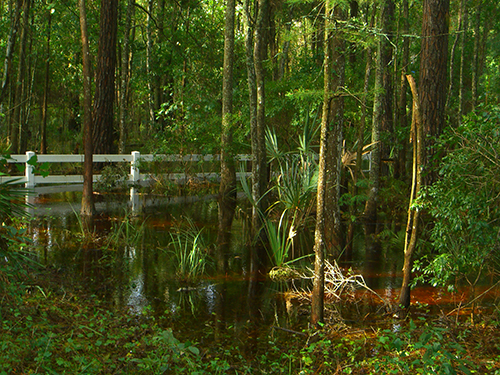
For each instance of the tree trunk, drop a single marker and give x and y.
(402, 116)
(335, 81)
(87, 196)
(433, 67)
(103, 134)
(360, 141)
(459, 33)
(125, 77)
(412, 227)
(227, 188)
(149, 49)
(16, 119)
(11, 42)
(382, 115)
(475, 56)
(259, 162)
(387, 49)
(330, 129)
(461, 88)
(43, 132)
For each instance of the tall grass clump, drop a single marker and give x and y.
(190, 250)
(128, 232)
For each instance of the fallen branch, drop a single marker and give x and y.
(290, 331)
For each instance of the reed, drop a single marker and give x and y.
(190, 250)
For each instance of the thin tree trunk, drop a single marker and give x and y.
(16, 122)
(329, 97)
(259, 57)
(388, 99)
(381, 116)
(360, 141)
(475, 56)
(413, 214)
(252, 104)
(461, 88)
(259, 164)
(283, 62)
(459, 34)
(87, 196)
(125, 77)
(43, 135)
(149, 49)
(11, 42)
(227, 188)
(333, 236)
(402, 116)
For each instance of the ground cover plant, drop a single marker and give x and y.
(52, 324)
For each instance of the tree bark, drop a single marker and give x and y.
(19, 107)
(11, 42)
(257, 131)
(125, 77)
(43, 132)
(360, 141)
(475, 56)
(149, 49)
(461, 88)
(402, 115)
(382, 114)
(334, 242)
(87, 196)
(433, 66)
(103, 134)
(227, 188)
(331, 126)
(459, 33)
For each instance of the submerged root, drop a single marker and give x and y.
(338, 283)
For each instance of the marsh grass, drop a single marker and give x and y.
(190, 250)
(126, 232)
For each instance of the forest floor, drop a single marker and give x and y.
(51, 325)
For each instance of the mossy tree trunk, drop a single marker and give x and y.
(227, 188)
(87, 196)
(331, 136)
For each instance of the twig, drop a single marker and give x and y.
(475, 299)
(290, 331)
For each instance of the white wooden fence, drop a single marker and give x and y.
(30, 179)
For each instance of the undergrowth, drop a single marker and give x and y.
(53, 328)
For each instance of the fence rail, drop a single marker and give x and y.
(30, 179)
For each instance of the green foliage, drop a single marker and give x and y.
(427, 350)
(113, 176)
(280, 239)
(170, 355)
(465, 201)
(294, 189)
(190, 250)
(13, 241)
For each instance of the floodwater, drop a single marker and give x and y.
(140, 277)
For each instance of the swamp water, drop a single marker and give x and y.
(139, 276)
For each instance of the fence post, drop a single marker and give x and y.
(30, 176)
(135, 175)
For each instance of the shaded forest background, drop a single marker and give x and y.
(289, 68)
(169, 55)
